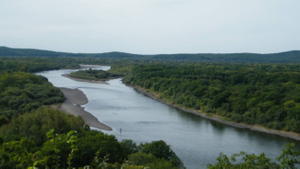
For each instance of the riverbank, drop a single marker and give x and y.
(290, 135)
(72, 105)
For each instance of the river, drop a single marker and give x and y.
(195, 140)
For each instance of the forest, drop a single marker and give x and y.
(34, 135)
(261, 94)
(31, 65)
(22, 92)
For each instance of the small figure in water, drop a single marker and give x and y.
(120, 130)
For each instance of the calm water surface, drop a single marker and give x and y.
(196, 141)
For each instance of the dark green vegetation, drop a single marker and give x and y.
(22, 92)
(283, 57)
(288, 159)
(69, 143)
(263, 94)
(35, 64)
(94, 75)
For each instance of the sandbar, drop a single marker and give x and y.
(72, 105)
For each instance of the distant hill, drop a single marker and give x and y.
(13, 52)
(283, 57)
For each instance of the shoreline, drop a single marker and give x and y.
(72, 105)
(289, 135)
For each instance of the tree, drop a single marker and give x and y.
(288, 159)
(160, 149)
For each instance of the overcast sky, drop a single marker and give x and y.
(151, 26)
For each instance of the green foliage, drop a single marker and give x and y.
(30, 64)
(141, 158)
(58, 150)
(161, 150)
(149, 160)
(22, 92)
(93, 141)
(64, 151)
(288, 159)
(34, 125)
(15, 154)
(129, 147)
(265, 94)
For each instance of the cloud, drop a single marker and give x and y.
(151, 26)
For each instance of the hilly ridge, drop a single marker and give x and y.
(282, 57)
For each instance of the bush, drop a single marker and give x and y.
(34, 125)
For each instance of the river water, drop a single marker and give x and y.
(195, 140)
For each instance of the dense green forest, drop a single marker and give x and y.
(22, 92)
(91, 74)
(264, 94)
(36, 64)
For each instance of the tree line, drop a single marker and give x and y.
(32, 65)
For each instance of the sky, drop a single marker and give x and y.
(151, 26)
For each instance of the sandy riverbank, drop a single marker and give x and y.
(290, 135)
(75, 98)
